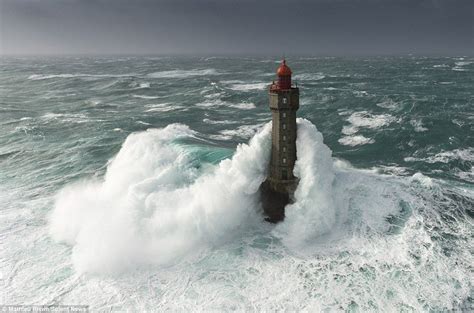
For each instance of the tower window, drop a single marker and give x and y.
(284, 138)
(284, 149)
(284, 114)
(284, 160)
(284, 174)
(284, 126)
(284, 100)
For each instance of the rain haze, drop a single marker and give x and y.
(322, 27)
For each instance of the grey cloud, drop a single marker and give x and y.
(337, 27)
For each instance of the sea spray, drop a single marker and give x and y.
(400, 241)
(151, 209)
(154, 206)
(313, 212)
(350, 235)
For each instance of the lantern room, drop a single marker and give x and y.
(284, 76)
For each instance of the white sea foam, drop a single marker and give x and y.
(212, 103)
(344, 112)
(65, 117)
(144, 85)
(360, 93)
(418, 126)
(214, 95)
(458, 122)
(139, 85)
(145, 97)
(463, 63)
(422, 179)
(446, 156)
(144, 123)
(391, 169)
(162, 107)
(309, 76)
(151, 208)
(388, 104)
(78, 75)
(244, 105)
(349, 129)
(93, 102)
(41, 77)
(339, 248)
(218, 102)
(466, 175)
(313, 212)
(209, 121)
(244, 131)
(364, 119)
(183, 73)
(249, 86)
(360, 120)
(356, 140)
(461, 66)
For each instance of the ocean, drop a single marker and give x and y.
(131, 183)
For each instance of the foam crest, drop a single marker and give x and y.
(356, 140)
(218, 103)
(153, 206)
(243, 131)
(365, 119)
(65, 117)
(309, 76)
(466, 155)
(249, 86)
(353, 238)
(313, 212)
(183, 73)
(360, 120)
(78, 75)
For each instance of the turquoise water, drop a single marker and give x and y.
(113, 192)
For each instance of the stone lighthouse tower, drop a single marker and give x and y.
(277, 191)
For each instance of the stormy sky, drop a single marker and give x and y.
(216, 27)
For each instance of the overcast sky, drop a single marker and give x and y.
(212, 27)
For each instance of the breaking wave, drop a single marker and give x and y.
(356, 140)
(313, 212)
(243, 131)
(446, 156)
(350, 235)
(309, 76)
(361, 120)
(218, 102)
(78, 75)
(249, 86)
(183, 73)
(152, 206)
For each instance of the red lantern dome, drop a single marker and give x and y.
(284, 76)
(283, 69)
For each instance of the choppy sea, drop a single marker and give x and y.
(130, 183)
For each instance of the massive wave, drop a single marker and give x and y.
(349, 235)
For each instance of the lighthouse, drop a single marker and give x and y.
(277, 190)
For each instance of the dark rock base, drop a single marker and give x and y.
(275, 196)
